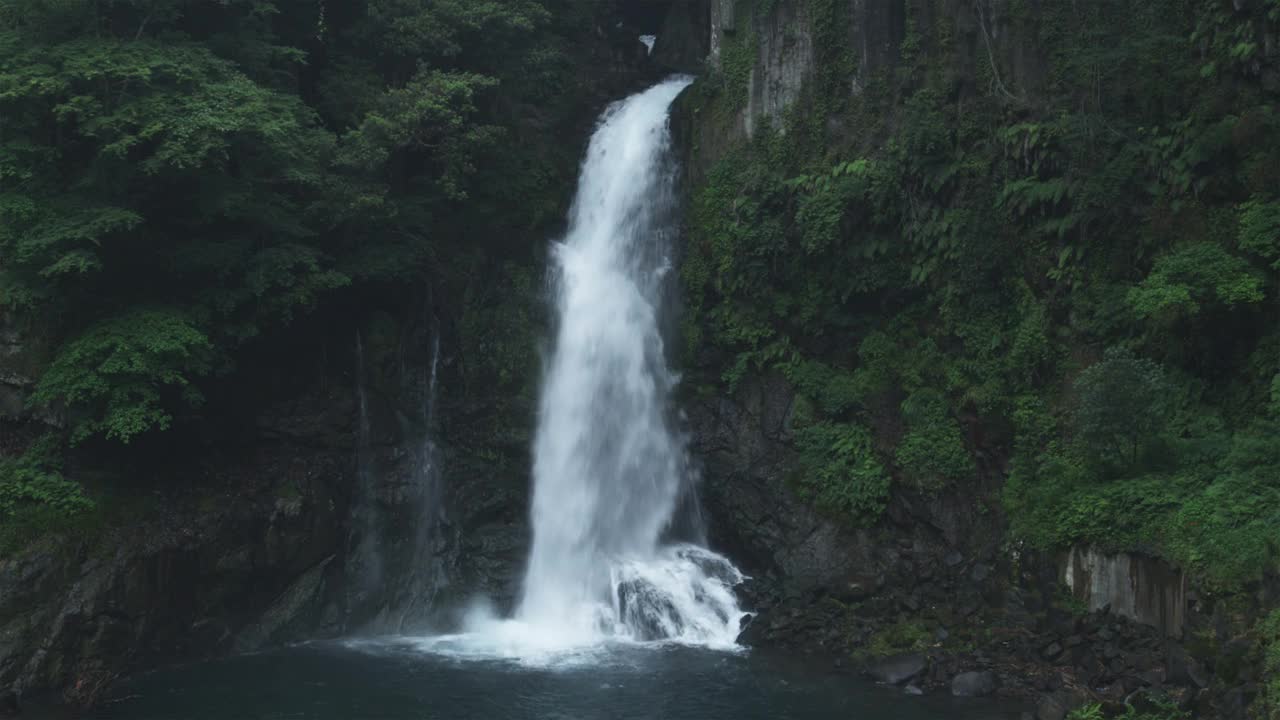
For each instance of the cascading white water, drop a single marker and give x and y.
(609, 469)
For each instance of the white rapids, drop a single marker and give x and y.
(609, 471)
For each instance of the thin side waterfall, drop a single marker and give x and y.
(428, 571)
(395, 564)
(363, 559)
(609, 470)
(430, 452)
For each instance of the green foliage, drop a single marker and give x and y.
(34, 496)
(953, 246)
(932, 454)
(1160, 709)
(433, 111)
(34, 478)
(1121, 403)
(1226, 531)
(737, 59)
(179, 179)
(1214, 512)
(1184, 280)
(1268, 631)
(1092, 711)
(906, 635)
(1260, 230)
(841, 472)
(116, 376)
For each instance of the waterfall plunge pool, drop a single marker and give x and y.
(394, 680)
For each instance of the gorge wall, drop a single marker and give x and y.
(319, 490)
(861, 284)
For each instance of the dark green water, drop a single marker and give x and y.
(397, 682)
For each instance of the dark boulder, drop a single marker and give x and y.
(1059, 703)
(974, 684)
(752, 629)
(898, 669)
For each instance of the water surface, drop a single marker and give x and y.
(395, 681)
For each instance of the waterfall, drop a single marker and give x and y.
(608, 467)
(428, 573)
(609, 470)
(430, 452)
(364, 561)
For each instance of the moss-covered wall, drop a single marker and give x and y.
(1027, 246)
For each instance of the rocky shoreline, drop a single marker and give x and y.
(1054, 664)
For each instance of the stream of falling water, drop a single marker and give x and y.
(609, 470)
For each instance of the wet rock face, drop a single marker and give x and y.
(935, 576)
(927, 552)
(785, 60)
(989, 39)
(650, 613)
(253, 548)
(1140, 588)
(932, 588)
(683, 40)
(76, 614)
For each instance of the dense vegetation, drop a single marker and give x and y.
(179, 180)
(1053, 271)
(1069, 284)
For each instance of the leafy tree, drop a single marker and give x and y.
(118, 375)
(1187, 278)
(1121, 403)
(178, 178)
(1260, 230)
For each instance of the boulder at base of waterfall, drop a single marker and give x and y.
(648, 611)
(898, 669)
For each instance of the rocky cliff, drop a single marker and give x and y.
(240, 545)
(936, 594)
(363, 470)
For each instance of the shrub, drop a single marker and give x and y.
(841, 472)
(1121, 404)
